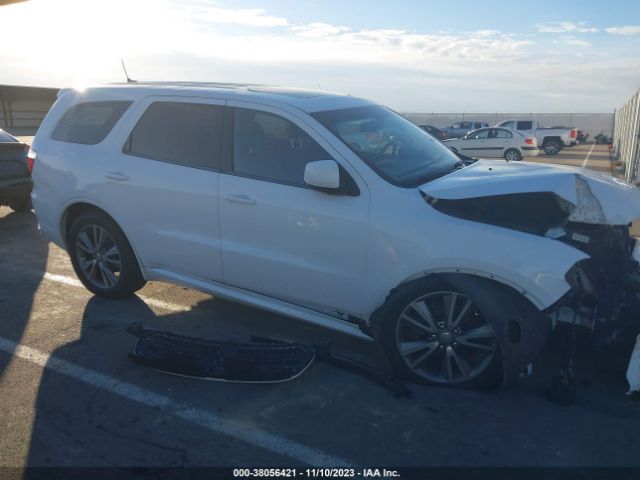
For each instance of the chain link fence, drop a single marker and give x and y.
(625, 138)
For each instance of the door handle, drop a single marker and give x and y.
(240, 198)
(117, 176)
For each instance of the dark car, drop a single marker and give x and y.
(435, 131)
(15, 173)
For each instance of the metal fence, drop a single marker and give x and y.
(23, 108)
(625, 137)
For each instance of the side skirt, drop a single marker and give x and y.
(257, 300)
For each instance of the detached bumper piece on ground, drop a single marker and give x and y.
(222, 361)
(265, 360)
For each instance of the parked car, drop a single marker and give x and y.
(256, 194)
(15, 174)
(550, 139)
(460, 129)
(435, 131)
(495, 143)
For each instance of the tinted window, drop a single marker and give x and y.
(271, 147)
(527, 125)
(479, 134)
(479, 125)
(89, 123)
(466, 125)
(176, 132)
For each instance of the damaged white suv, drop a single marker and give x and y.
(332, 210)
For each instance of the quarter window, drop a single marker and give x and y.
(271, 147)
(89, 123)
(178, 132)
(502, 133)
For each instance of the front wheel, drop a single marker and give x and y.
(433, 332)
(512, 155)
(102, 257)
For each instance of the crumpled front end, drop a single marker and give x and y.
(589, 211)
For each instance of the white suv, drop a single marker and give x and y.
(332, 210)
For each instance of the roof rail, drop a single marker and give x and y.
(194, 84)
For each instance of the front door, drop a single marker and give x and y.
(280, 237)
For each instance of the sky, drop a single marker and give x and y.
(414, 56)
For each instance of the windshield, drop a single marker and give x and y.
(396, 149)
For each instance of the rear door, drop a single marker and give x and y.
(280, 237)
(162, 184)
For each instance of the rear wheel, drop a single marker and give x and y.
(552, 147)
(512, 155)
(102, 257)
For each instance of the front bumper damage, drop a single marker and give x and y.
(586, 210)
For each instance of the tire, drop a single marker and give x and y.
(22, 204)
(512, 155)
(90, 243)
(552, 147)
(390, 329)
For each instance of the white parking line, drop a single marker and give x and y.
(74, 282)
(586, 159)
(239, 430)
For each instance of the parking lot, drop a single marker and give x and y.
(71, 396)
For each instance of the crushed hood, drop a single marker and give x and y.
(620, 202)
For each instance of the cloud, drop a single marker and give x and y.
(407, 69)
(626, 30)
(565, 27)
(319, 30)
(569, 40)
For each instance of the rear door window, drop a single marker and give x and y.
(270, 147)
(89, 123)
(183, 133)
(525, 125)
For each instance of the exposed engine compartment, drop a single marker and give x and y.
(602, 285)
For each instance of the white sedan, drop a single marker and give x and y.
(495, 142)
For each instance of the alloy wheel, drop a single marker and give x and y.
(444, 338)
(98, 256)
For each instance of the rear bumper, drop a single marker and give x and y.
(14, 188)
(530, 151)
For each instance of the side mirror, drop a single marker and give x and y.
(322, 174)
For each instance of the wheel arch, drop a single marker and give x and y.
(525, 331)
(79, 207)
(551, 138)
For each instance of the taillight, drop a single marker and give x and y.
(574, 133)
(529, 141)
(31, 159)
